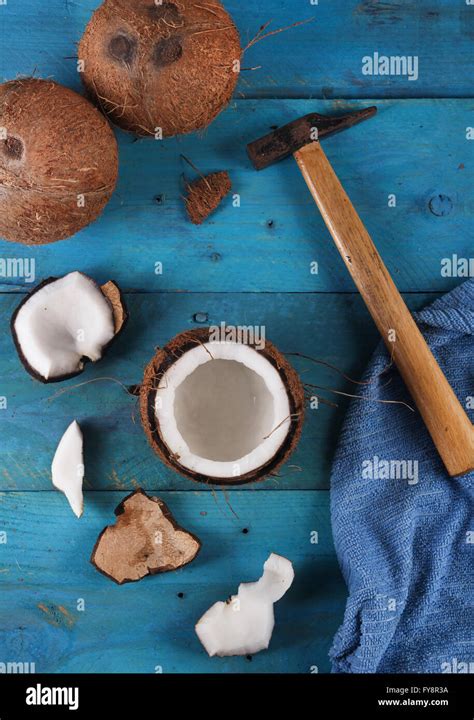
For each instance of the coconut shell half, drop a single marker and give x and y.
(145, 540)
(160, 68)
(152, 381)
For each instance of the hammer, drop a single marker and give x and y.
(447, 422)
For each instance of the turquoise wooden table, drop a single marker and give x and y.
(410, 174)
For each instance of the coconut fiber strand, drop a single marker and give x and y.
(405, 545)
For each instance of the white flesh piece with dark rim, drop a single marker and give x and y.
(63, 322)
(223, 409)
(67, 469)
(244, 624)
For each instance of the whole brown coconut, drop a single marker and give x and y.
(157, 378)
(160, 68)
(58, 162)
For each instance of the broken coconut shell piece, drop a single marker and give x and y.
(145, 540)
(244, 624)
(205, 195)
(65, 322)
(67, 469)
(221, 412)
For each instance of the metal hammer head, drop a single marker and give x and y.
(288, 139)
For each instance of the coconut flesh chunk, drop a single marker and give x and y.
(223, 409)
(244, 624)
(61, 323)
(67, 469)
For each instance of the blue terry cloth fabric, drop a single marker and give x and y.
(406, 545)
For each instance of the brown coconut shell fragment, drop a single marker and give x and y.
(206, 194)
(145, 540)
(119, 309)
(162, 361)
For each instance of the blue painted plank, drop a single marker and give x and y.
(323, 58)
(334, 328)
(44, 572)
(416, 150)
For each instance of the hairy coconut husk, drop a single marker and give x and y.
(205, 194)
(160, 69)
(145, 540)
(58, 162)
(163, 360)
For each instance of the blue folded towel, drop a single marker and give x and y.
(403, 529)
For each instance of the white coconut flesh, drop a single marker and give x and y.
(223, 409)
(62, 323)
(244, 624)
(67, 469)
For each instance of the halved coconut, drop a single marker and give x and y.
(243, 625)
(64, 322)
(67, 469)
(221, 412)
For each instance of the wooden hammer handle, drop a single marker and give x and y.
(450, 428)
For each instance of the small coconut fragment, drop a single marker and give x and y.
(244, 624)
(67, 469)
(206, 194)
(145, 540)
(219, 411)
(65, 321)
(119, 311)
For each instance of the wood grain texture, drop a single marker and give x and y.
(416, 150)
(45, 571)
(333, 328)
(246, 265)
(320, 59)
(445, 418)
